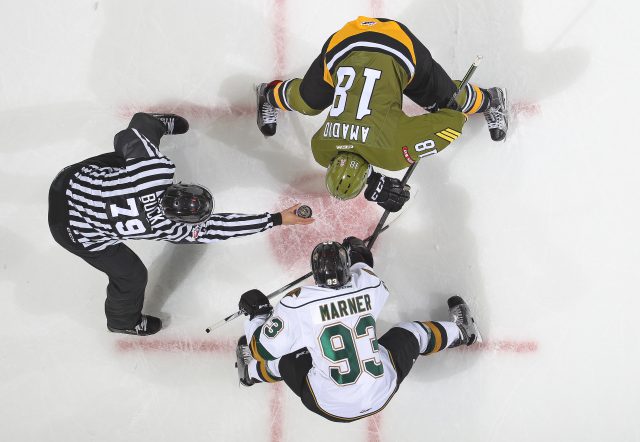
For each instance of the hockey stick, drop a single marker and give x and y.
(233, 316)
(406, 176)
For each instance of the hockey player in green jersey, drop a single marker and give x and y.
(361, 75)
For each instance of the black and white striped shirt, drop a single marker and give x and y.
(110, 204)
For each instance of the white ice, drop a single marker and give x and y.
(539, 234)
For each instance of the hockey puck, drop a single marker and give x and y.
(304, 211)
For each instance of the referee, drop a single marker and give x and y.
(129, 194)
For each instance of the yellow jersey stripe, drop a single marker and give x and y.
(446, 136)
(452, 132)
(390, 28)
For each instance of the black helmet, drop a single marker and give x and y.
(330, 264)
(187, 203)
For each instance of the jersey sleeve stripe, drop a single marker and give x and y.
(73, 213)
(86, 211)
(258, 351)
(82, 199)
(126, 180)
(356, 29)
(238, 216)
(137, 163)
(161, 183)
(365, 44)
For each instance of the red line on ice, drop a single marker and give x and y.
(525, 109)
(176, 345)
(219, 112)
(279, 36)
(229, 345)
(504, 346)
(377, 7)
(276, 409)
(373, 428)
(190, 110)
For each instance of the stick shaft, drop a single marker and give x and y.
(380, 227)
(270, 295)
(407, 175)
(465, 79)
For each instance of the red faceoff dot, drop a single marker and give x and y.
(334, 221)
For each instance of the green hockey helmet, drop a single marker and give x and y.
(346, 175)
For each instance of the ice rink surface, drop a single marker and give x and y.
(539, 234)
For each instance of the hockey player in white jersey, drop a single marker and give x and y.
(321, 340)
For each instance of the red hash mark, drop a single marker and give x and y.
(334, 221)
(503, 346)
(289, 248)
(276, 409)
(373, 428)
(191, 111)
(207, 346)
(176, 346)
(229, 345)
(525, 109)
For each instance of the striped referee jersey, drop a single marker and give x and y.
(108, 204)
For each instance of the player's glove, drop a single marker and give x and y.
(433, 108)
(386, 191)
(358, 252)
(254, 303)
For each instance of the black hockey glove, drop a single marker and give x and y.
(386, 191)
(435, 107)
(254, 303)
(358, 252)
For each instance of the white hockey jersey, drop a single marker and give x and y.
(352, 376)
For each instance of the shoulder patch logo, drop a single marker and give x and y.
(370, 272)
(294, 293)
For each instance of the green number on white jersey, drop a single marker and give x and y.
(338, 344)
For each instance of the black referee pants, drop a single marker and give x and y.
(126, 272)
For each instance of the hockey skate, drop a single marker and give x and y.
(267, 114)
(173, 124)
(243, 357)
(148, 325)
(497, 115)
(460, 314)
